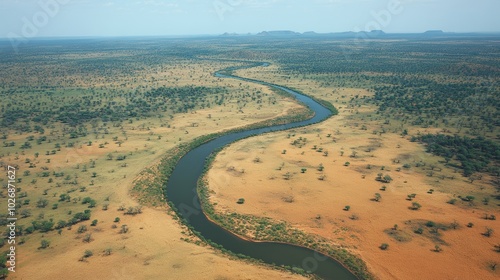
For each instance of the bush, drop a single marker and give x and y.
(61, 224)
(41, 203)
(81, 216)
(384, 246)
(121, 157)
(88, 254)
(124, 229)
(488, 232)
(82, 229)
(86, 200)
(241, 201)
(45, 226)
(134, 210)
(44, 244)
(87, 238)
(387, 179)
(415, 206)
(430, 224)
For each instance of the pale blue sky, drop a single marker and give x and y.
(28, 18)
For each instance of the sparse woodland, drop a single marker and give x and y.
(94, 129)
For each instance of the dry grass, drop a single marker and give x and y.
(465, 251)
(153, 247)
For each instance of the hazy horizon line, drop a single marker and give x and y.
(250, 34)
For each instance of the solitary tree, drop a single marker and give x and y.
(437, 248)
(387, 179)
(87, 238)
(488, 232)
(497, 247)
(88, 254)
(415, 206)
(44, 244)
(321, 167)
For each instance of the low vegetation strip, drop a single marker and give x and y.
(78, 106)
(474, 154)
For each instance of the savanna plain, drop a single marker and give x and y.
(401, 183)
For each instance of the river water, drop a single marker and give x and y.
(181, 190)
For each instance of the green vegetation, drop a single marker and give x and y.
(474, 154)
(489, 232)
(44, 244)
(383, 178)
(4, 271)
(264, 229)
(82, 106)
(437, 248)
(420, 86)
(415, 206)
(148, 189)
(88, 254)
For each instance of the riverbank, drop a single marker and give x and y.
(356, 154)
(183, 203)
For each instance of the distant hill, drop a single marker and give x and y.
(374, 34)
(310, 33)
(434, 32)
(349, 34)
(278, 33)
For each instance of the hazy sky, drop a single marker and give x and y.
(41, 18)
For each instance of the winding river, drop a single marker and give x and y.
(181, 191)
